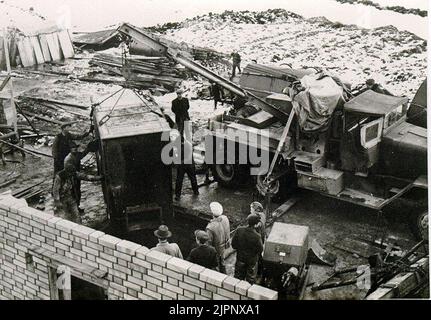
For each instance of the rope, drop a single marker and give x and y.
(108, 116)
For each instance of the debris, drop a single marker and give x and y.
(318, 255)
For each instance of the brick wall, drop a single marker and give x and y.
(32, 243)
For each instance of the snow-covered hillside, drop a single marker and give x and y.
(396, 59)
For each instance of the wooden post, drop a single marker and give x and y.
(12, 99)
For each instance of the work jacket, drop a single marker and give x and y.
(65, 184)
(61, 148)
(180, 107)
(248, 245)
(219, 234)
(205, 256)
(171, 249)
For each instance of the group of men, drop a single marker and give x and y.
(212, 243)
(66, 189)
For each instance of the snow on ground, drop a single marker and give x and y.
(397, 60)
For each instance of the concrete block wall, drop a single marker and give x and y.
(32, 242)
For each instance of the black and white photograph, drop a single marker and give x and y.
(241, 150)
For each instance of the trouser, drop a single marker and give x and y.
(246, 270)
(183, 169)
(234, 67)
(69, 210)
(221, 265)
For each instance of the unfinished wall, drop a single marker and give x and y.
(32, 243)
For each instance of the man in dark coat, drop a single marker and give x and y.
(180, 107)
(62, 145)
(248, 245)
(371, 84)
(203, 255)
(183, 158)
(217, 94)
(236, 63)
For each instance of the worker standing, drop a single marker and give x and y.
(171, 249)
(62, 145)
(180, 107)
(218, 230)
(257, 208)
(217, 94)
(236, 63)
(204, 254)
(183, 154)
(248, 245)
(64, 192)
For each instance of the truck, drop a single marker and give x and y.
(366, 153)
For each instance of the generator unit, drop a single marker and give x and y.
(284, 259)
(137, 185)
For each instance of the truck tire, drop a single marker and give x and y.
(230, 175)
(419, 225)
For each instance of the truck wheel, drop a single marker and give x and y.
(419, 225)
(230, 175)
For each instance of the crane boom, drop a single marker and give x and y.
(160, 49)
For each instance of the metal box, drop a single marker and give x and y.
(323, 180)
(137, 186)
(287, 244)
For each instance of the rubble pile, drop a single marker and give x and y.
(144, 72)
(399, 9)
(386, 54)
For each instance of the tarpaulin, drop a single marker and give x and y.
(315, 105)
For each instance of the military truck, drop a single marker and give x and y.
(368, 154)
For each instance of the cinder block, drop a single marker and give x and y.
(108, 257)
(194, 282)
(212, 277)
(83, 232)
(123, 256)
(199, 297)
(157, 275)
(189, 287)
(260, 293)
(90, 251)
(66, 242)
(141, 263)
(131, 285)
(211, 288)
(94, 237)
(180, 297)
(220, 297)
(128, 247)
(167, 293)
(179, 265)
(66, 226)
(142, 296)
(109, 241)
(122, 269)
(118, 287)
(151, 280)
(195, 270)
(242, 287)
(78, 252)
(94, 246)
(9, 203)
(139, 282)
(105, 263)
(36, 215)
(172, 288)
(152, 293)
(131, 295)
(142, 252)
(229, 294)
(157, 258)
(52, 223)
(137, 268)
(230, 282)
(189, 294)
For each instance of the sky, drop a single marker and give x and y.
(91, 15)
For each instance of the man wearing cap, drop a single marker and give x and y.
(172, 249)
(257, 208)
(64, 192)
(180, 107)
(203, 255)
(218, 230)
(248, 245)
(371, 84)
(62, 145)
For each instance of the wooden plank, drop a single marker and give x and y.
(45, 48)
(54, 46)
(26, 56)
(37, 50)
(402, 284)
(66, 44)
(2, 56)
